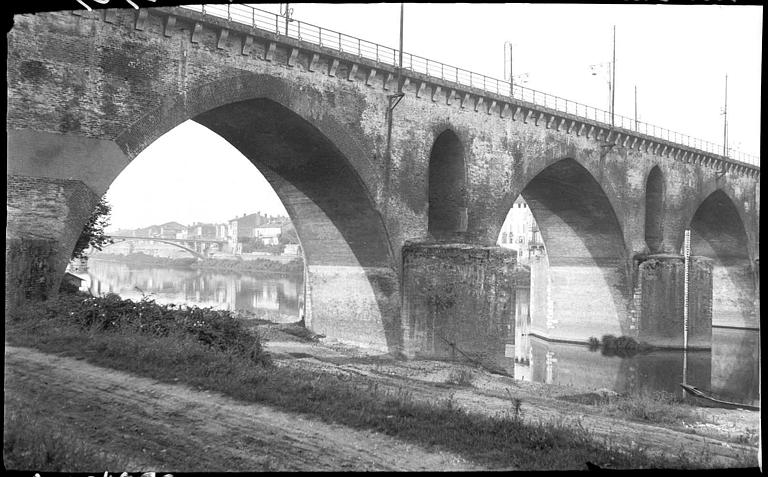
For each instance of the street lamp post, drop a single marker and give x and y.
(608, 68)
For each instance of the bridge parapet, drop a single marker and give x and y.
(445, 82)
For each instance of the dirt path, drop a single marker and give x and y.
(173, 427)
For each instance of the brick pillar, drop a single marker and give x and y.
(461, 294)
(660, 291)
(44, 219)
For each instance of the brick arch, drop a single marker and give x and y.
(718, 233)
(318, 169)
(302, 100)
(447, 187)
(540, 164)
(585, 273)
(727, 192)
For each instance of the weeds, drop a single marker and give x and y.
(460, 377)
(29, 443)
(653, 406)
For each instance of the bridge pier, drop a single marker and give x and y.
(353, 304)
(659, 300)
(44, 220)
(457, 298)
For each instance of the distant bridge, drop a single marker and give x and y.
(199, 246)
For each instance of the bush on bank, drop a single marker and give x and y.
(216, 329)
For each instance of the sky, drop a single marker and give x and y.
(676, 56)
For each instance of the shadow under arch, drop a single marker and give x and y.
(447, 212)
(584, 270)
(654, 210)
(718, 233)
(315, 167)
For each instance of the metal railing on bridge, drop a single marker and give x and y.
(302, 31)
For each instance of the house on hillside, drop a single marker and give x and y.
(202, 231)
(168, 230)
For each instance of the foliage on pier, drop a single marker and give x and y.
(93, 234)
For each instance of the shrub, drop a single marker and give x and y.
(216, 329)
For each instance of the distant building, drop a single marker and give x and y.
(202, 231)
(269, 233)
(292, 249)
(244, 228)
(168, 230)
(520, 232)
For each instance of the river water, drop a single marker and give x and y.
(730, 369)
(277, 297)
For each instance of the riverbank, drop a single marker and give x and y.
(484, 421)
(259, 265)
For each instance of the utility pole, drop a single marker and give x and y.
(635, 107)
(287, 12)
(400, 60)
(725, 119)
(394, 99)
(613, 74)
(511, 77)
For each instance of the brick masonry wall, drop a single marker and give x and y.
(661, 288)
(458, 294)
(44, 220)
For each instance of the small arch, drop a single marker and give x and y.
(717, 230)
(447, 214)
(654, 207)
(718, 233)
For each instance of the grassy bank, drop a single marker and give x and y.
(211, 349)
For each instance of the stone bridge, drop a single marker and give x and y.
(397, 213)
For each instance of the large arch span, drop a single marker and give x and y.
(314, 166)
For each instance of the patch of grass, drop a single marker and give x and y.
(28, 443)
(180, 355)
(460, 377)
(652, 406)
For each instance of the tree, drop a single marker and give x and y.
(93, 234)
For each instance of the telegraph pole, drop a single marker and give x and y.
(287, 13)
(725, 119)
(635, 107)
(613, 74)
(394, 99)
